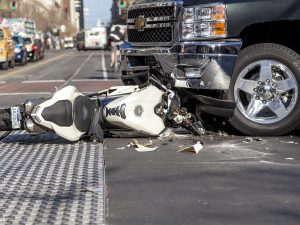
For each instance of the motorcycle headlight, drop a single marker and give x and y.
(204, 21)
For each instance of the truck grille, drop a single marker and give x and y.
(163, 34)
(151, 12)
(160, 21)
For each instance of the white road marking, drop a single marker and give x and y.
(2, 82)
(25, 93)
(76, 72)
(41, 81)
(278, 163)
(103, 66)
(87, 80)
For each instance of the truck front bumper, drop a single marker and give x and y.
(195, 65)
(2, 59)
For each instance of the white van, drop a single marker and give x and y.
(96, 38)
(68, 42)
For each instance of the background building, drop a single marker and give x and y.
(79, 9)
(50, 15)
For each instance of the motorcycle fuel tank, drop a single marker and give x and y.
(136, 111)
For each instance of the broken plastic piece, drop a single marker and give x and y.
(196, 148)
(288, 142)
(251, 139)
(142, 148)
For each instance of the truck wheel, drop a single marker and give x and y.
(23, 62)
(34, 57)
(265, 86)
(5, 65)
(12, 63)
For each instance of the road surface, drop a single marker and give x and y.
(233, 180)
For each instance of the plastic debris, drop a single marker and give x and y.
(289, 142)
(251, 139)
(142, 147)
(94, 190)
(196, 148)
(168, 133)
(223, 134)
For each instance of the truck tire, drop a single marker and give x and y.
(265, 86)
(12, 63)
(34, 57)
(5, 65)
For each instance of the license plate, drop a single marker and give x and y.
(15, 117)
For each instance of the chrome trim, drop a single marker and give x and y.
(216, 74)
(154, 4)
(220, 48)
(159, 25)
(152, 19)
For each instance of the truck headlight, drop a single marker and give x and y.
(17, 50)
(204, 21)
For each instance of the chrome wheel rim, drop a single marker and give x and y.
(266, 91)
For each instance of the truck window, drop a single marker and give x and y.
(16, 40)
(27, 41)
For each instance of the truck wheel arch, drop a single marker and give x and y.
(285, 33)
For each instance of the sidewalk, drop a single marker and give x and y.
(47, 180)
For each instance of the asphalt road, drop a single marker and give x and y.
(89, 71)
(232, 180)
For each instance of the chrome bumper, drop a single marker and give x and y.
(214, 59)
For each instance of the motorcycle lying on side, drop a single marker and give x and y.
(147, 109)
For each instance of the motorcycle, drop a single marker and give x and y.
(147, 109)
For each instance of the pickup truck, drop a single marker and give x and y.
(220, 52)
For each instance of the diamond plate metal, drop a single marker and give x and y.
(47, 180)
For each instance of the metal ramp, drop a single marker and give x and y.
(47, 180)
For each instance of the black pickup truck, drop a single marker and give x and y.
(242, 51)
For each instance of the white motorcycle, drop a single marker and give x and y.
(72, 115)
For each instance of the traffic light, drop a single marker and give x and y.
(122, 4)
(13, 5)
(122, 7)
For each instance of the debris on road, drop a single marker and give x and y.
(142, 147)
(168, 133)
(289, 142)
(251, 139)
(196, 148)
(289, 158)
(223, 134)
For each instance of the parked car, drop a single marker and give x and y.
(31, 48)
(20, 50)
(7, 53)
